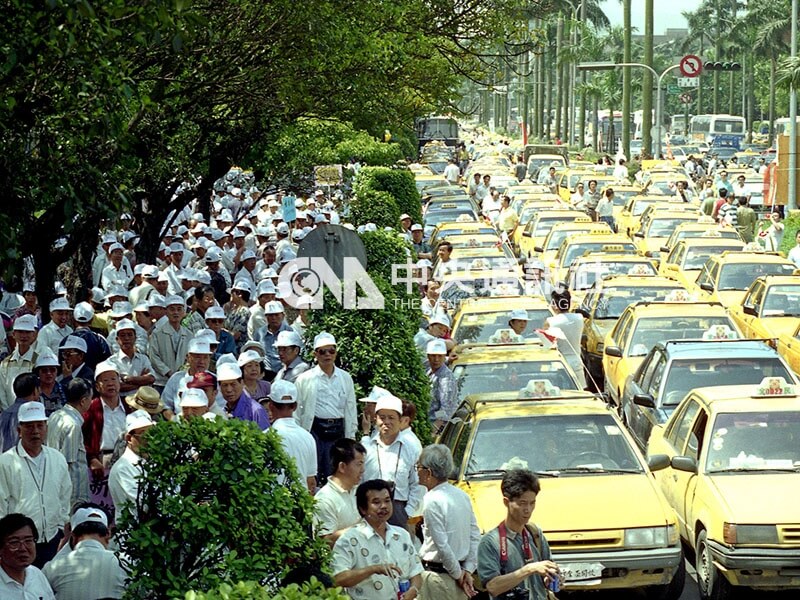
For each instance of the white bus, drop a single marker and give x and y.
(678, 124)
(782, 125)
(729, 129)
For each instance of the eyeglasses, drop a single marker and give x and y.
(326, 351)
(17, 543)
(419, 467)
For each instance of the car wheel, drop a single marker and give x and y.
(674, 589)
(711, 583)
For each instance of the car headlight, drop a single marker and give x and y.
(749, 534)
(648, 537)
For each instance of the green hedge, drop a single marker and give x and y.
(791, 227)
(373, 206)
(250, 590)
(399, 183)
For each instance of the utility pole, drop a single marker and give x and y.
(626, 80)
(582, 116)
(647, 91)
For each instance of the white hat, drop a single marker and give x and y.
(123, 324)
(138, 419)
(141, 307)
(269, 273)
(25, 323)
(424, 263)
(106, 366)
(29, 286)
(283, 229)
(228, 371)
(320, 218)
(73, 342)
(324, 339)
(60, 304)
(273, 308)
(162, 276)
(204, 277)
(253, 345)
(249, 356)
(283, 392)
(213, 255)
(156, 300)
(108, 238)
(176, 247)
(237, 233)
(116, 246)
(171, 300)
(389, 402)
(120, 309)
(376, 393)
(242, 284)
(288, 338)
(298, 235)
(199, 346)
(265, 286)
(416, 227)
(98, 295)
(519, 314)
(207, 335)
(182, 229)
(88, 515)
(319, 193)
(138, 269)
(46, 359)
(215, 312)
(247, 255)
(83, 312)
(194, 397)
(30, 412)
(117, 291)
(436, 346)
(405, 216)
(439, 318)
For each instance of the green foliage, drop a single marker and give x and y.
(384, 249)
(398, 182)
(251, 590)
(372, 206)
(213, 508)
(791, 227)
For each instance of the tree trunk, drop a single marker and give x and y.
(699, 109)
(773, 70)
(717, 56)
(559, 73)
(582, 115)
(647, 86)
(626, 80)
(596, 110)
(548, 99)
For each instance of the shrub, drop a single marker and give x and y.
(385, 249)
(219, 501)
(791, 227)
(250, 590)
(399, 183)
(372, 206)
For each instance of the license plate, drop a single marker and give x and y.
(581, 573)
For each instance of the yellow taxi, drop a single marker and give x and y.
(770, 307)
(606, 521)
(459, 283)
(656, 227)
(568, 180)
(734, 484)
(539, 226)
(478, 258)
(562, 231)
(469, 240)
(444, 230)
(789, 348)
(627, 219)
(429, 180)
(575, 246)
(704, 227)
(644, 324)
(686, 259)
(477, 320)
(725, 278)
(593, 267)
(528, 212)
(603, 305)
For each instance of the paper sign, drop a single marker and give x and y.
(288, 208)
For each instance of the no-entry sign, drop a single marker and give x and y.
(691, 65)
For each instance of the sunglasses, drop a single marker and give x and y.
(326, 351)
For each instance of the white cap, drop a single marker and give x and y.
(156, 300)
(213, 255)
(247, 255)
(123, 324)
(249, 356)
(141, 307)
(253, 345)
(46, 359)
(283, 392)
(73, 342)
(60, 304)
(215, 312)
(519, 314)
(288, 338)
(171, 300)
(108, 238)
(182, 229)
(137, 270)
(265, 286)
(375, 394)
(120, 309)
(324, 339)
(320, 218)
(30, 412)
(405, 216)
(423, 263)
(439, 318)
(104, 367)
(116, 246)
(389, 402)
(88, 515)
(176, 247)
(416, 227)
(273, 308)
(436, 346)
(137, 420)
(199, 346)
(206, 335)
(25, 323)
(83, 312)
(283, 229)
(194, 398)
(228, 371)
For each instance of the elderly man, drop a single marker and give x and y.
(73, 351)
(355, 566)
(438, 327)
(90, 565)
(198, 358)
(26, 389)
(449, 552)
(194, 403)
(34, 480)
(18, 577)
(420, 246)
(289, 345)
(265, 292)
(143, 291)
(21, 360)
(58, 328)
(335, 507)
(169, 342)
(444, 391)
(392, 459)
(296, 441)
(326, 399)
(238, 403)
(65, 434)
(268, 335)
(133, 367)
(116, 273)
(122, 480)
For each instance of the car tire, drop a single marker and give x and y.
(710, 582)
(674, 589)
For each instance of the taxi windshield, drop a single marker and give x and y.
(455, 290)
(740, 276)
(757, 441)
(697, 257)
(650, 331)
(685, 375)
(575, 250)
(782, 301)
(510, 376)
(587, 274)
(610, 304)
(480, 327)
(664, 227)
(559, 445)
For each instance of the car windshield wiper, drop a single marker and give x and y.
(757, 470)
(552, 473)
(596, 470)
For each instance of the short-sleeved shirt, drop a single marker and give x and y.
(35, 586)
(489, 559)
(299, 444)
(335, 508)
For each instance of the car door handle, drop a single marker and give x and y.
(674, 477)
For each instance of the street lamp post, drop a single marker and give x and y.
(605, 66)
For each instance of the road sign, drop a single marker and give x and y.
(691, 66)
(688, 82)
(673, 88)
(686, 98)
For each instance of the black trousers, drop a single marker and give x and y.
(326, 432)
(45, 551)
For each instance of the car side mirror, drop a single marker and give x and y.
(645, 400)
(639, 234)
(526, 233)
(684, 463)
(583, 311)
(657, 462)
(749, 310)
(613, 351)
(707, 287)
(538, 249)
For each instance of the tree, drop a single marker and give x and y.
(627, 31)
(647, 91)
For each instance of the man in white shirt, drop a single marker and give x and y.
(392, 459)
(57, 329)
(21, 360)
(116, 273)
(794, 253)
(449, 552)
(335, 503)
(34, 481)
(122, 480)
(451, 172)
(90, 565)
(135, 369)
(18, 577)
(64, 434)
(296, 441)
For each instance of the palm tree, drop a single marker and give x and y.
(626, 78)
(647, 95)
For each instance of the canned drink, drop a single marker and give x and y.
(555, 584)
(402, 588)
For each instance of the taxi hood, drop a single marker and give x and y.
(570, 503)
(756, 498)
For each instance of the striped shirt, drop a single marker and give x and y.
(727, 214)
(65, 435)
(90, 566)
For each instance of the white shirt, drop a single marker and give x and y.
(335, 508)
(397, 463)
(794, 256)
(39, 488)
(326, 397)
(13, 365)
(621, 173)
(64, 434)
(452, 173)
(572, 326)
(299, 444)
(113, 424)
(133, 366)
(35, 586)
(122, 479)
(112, 276)
(70, 578)
(360, 546)
(50, 336)
(449, 537)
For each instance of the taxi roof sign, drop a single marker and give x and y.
(775, 386)
(612, 248)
